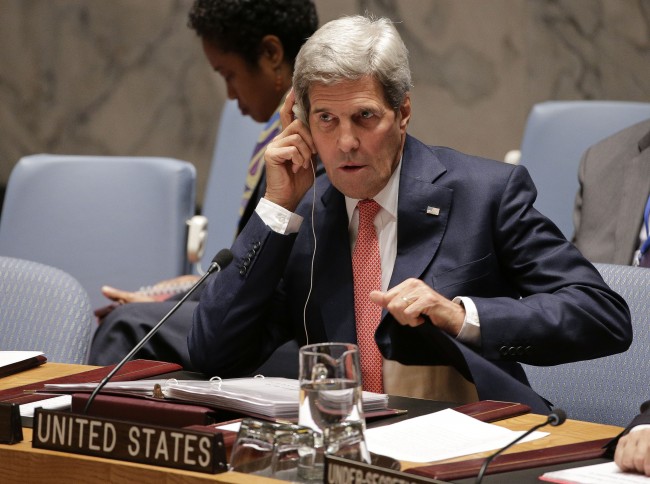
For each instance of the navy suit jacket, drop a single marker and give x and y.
(643, 417)
(539, 301)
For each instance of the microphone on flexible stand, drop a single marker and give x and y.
(555, 418)
(219, 262)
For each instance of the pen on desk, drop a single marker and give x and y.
(41, 392)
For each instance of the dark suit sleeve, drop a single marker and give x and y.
(643, 417)
(566, 312)
(126, 325)
(237, 324)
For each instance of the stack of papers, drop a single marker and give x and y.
(606, 473)
(441, 435)
(268, 397)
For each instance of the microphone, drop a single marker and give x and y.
(555, 418)
(219, 262)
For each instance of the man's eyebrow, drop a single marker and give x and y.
(358, 109)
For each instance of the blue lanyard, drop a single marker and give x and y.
(646, 216)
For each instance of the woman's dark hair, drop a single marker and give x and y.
(238, 26)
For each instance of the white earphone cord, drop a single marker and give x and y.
(313, 257)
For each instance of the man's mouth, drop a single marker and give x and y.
(352, 168)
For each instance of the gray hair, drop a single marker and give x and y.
(351, 48)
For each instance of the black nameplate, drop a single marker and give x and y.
(345, 471)
(114, 439)
(11, 430)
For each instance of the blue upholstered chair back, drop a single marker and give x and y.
(236, 140)
(103, 219)
(606, 390)
(556, 135)
(44, 309)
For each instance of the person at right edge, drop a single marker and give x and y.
(472, 278)
(613, 202)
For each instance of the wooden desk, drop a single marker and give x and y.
(22, 463)
(40, 373)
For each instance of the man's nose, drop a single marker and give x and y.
(348, 140)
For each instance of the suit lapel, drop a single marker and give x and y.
(633, 200)
(423, 212)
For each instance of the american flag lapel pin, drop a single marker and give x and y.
(433, 211)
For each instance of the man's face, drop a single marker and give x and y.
(358, 136)
(253, 88)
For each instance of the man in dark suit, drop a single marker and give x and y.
(473, 279)
(633, 449)
(614, 179)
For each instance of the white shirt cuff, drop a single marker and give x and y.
(639, 427)
(470, 332)
(278, 218)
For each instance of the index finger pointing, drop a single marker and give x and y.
(286, 111)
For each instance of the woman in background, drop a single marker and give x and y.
(252, 45)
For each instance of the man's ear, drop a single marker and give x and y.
(271, 51)
(405, 112)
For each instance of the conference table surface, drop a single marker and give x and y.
(22, 463)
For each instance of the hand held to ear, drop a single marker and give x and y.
(288, 160)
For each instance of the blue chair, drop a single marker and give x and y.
(110, 220)
(556, 135)
(236, 140)
(44, 309)
(606, 390)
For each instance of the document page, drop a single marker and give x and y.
(16, 361)
(440, 435)
(11, 357)
(62, 402)
(607, 473)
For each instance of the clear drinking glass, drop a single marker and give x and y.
(279, 450)
(346, 439)
(330, 400)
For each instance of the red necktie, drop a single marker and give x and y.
(645, 248)
(366, 270)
